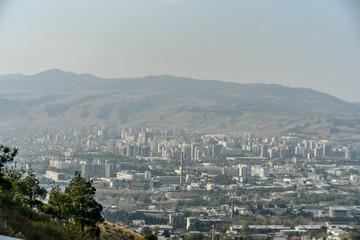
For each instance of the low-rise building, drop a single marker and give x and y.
(339, 211)
(201, 224)
(56, 176)
(176, 219)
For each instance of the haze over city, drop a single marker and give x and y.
(314, 44)
(179, 120)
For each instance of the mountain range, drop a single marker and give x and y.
(55, 97)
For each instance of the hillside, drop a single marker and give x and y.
(111, 231)
(40, 226)
(57, 97)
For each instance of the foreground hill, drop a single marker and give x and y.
(57, 97)
(40, 226)
(111, 231)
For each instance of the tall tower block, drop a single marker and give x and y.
(182, 170)
(232, 209)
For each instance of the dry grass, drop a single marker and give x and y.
(116, 232)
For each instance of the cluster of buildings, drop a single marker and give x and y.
(206, 224)
(136, 160)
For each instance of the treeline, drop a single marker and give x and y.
(128, 217)
(70, 214)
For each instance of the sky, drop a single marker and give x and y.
(307, 43)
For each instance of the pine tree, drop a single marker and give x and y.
(30, 190)
(6, 155)
(83, 207)
(58, 205)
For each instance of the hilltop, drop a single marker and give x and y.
(58, 97)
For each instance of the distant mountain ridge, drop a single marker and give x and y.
(58, 97)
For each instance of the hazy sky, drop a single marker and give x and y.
(307, 43)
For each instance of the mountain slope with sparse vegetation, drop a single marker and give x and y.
(64, 98)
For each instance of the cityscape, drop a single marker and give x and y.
(181, 182)
(179, 120)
